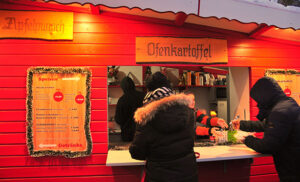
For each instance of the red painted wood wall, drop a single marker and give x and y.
(101, 40)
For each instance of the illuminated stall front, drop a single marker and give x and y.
(109, 34)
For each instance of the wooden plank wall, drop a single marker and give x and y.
(100, 41)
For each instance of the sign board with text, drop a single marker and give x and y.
(181, 50)
(58, 111)
(36, 24)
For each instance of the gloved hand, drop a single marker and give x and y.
(200, 112)
(210, 121)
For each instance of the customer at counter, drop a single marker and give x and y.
(279, 119)
(165, 133)
(126, 106)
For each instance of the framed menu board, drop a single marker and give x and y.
(58, 111)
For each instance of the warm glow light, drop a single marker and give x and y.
(288, 34)
(243, 45)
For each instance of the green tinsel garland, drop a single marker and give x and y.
(280, 71)
(274, 71)
(231, 138)
(291, 71)
(59, 70)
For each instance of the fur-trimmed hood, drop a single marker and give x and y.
(149, 111)
(166, 139)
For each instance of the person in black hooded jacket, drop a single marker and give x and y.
(165, 134)
(279, 119)
(126, 106)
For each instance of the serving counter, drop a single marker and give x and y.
(211, 153)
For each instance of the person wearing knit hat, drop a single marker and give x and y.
(165, 133)
(157, 80)
(158, 87)
(279, 119)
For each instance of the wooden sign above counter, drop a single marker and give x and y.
(181, 50)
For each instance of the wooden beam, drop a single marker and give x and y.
(259, 30)
(95, 9)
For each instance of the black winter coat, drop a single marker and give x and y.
(279, 117)
(126, 106)
(165, 139)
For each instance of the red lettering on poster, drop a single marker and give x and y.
(288, 92)
(79, 99)
(58, 96)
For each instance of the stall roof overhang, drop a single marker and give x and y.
(263, 19)
(270, 12)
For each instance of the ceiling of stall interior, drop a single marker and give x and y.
(253, 30)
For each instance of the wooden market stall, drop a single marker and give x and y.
(100, 40)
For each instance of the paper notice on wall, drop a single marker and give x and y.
(289, 81)
(58, 111)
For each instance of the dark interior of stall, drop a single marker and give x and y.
(208, 84)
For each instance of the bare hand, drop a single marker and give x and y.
(214, 131)
(236, 124)
(111, 126)
(222, 123)
(243, 139)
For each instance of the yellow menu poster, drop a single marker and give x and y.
(288, 80)
(58, 111)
